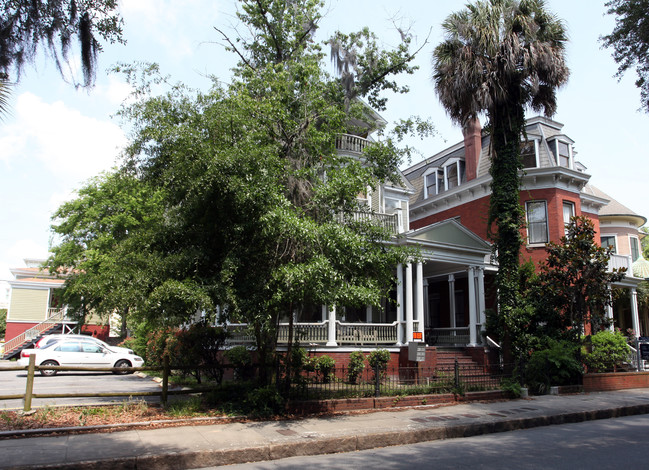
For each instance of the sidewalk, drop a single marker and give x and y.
(196, 446)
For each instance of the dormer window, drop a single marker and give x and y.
(433, 182)
(449, 176)
(562, 152)
(529, 154)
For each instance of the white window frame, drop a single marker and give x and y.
(425, 176)
(609, 235)
(536, 150)
(547, 223)
(637, 240)
(398, 210)
(557, 159)
(572, 214)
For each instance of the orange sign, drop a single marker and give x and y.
(418, 335)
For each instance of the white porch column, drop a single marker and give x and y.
(451, 299)
(331, 331)
(609, 314)
(473, 308)
(419, 296)
(634, 311)
(426, 304)
(400, 304)
(409, 313)
(368, 314)
(481, 300)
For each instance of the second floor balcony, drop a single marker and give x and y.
(353, 144)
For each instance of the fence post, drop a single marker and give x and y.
(377, 381)
(30, 383)
(457, 374)
(165, 380)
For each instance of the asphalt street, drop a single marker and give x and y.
(604, 444)
(14, 382)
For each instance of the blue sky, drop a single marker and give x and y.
(57, 137)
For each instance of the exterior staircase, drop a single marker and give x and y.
(471, 373)
(14, 346)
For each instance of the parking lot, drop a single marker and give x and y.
(13, 382)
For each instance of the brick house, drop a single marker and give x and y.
(455, 184)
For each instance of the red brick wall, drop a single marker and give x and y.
(14, 329)
(473, 215)
(615, 381)
(98, 331)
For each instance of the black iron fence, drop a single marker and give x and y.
(343, 382)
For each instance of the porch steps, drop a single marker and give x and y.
(474, 373)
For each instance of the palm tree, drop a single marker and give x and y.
(499, 58)
(4, 96)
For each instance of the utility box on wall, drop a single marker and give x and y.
(416, 351)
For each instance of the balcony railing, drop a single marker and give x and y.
(351, 143)
(620, 261)
(387, 221)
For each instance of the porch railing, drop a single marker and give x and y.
(620, 261)
(317, 333)
(303, 332)
(366, 333)
(351, 143)
(448, 336)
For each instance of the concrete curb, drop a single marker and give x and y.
(211, 458)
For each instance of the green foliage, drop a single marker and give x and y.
(555, 365)
(265, 402)
(511, 386)
(201, 345)
(237, 195)
(576, 281)
(324, 366)
(54, 24)
(241, 360)
(3, 322)
(355, 367)
(630, 41)
(608, 350)
(378, 359)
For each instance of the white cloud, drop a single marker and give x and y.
(172, 24)
(68, 143)
(116, 91)
(13, 256)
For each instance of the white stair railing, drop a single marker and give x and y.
(35, 331)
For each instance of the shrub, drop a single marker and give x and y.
(609, 351)
(264, 402)
(355, 367)
(555, 365)
(379, 358)
(200, 345)
(324, 366)
(241, 361)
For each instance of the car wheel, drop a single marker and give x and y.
(49, 373)
(122, 363)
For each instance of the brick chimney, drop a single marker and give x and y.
(472, 147)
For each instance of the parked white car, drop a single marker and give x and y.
(79, 353)
(46, 340)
